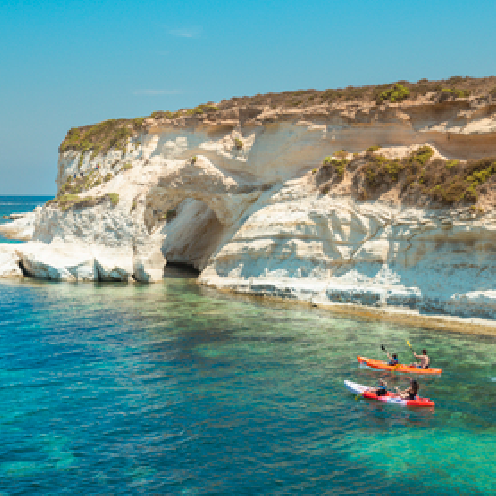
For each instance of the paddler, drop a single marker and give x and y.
(411, 392)
(393, 359)
(381, 390)
(424, 360)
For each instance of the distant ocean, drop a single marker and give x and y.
(17, 204)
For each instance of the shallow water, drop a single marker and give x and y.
(174, 389)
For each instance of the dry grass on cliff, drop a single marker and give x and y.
(417, 179)
(454, 87)
(70, 200)
(114, 133)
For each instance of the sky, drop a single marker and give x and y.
(70, 63)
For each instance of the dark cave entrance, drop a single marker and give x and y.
(180, 270)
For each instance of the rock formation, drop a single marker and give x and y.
(245, 194)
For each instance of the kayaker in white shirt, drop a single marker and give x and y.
(424, 360)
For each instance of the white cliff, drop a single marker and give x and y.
(22, 227)
(240, 201)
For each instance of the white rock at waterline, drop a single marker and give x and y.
(21, 228)
(9, 262)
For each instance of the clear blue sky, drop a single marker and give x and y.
(70, 63)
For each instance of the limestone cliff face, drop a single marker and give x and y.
(237, 197)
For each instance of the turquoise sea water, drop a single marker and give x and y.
(175, 389)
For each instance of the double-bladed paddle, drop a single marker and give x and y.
(408, 343)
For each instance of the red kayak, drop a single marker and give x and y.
(405, 369)
(387, 398)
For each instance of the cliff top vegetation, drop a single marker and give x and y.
(418, 178)
(440, 90)
(114, 133)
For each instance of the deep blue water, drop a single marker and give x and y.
(174, 389)
(17, 204)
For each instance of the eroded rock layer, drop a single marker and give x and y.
(250, 200)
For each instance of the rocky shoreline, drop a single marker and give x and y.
(380, 209)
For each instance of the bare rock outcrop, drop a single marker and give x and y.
(246, 195)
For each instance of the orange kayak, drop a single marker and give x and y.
(379, 364)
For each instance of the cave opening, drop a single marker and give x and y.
(190, 239)
(180, 270)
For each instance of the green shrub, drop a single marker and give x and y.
(461, 93)
(68, 197)
(194, 159)
(238, 143)
(373, 148)
(422, 155)
(379, 170)
(453, 92)
(445, 181)
(127, 166)
(396, 93)
(201, 109)
(338, 166)
(95, 151)
(112, 133)
(65, 201)
(157, 114)
(114, 198)
(340, 154)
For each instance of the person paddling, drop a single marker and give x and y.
(381, 390)
(393, 359)
(424, 360)
(411, 392)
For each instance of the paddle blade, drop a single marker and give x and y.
(383, 347)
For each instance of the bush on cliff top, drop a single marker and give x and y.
(99, 138)
(417, 176)
(395, 94)
(445, 181)
(70, 200)
(337, 166)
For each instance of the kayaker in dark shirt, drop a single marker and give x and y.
(393, 359)
(381, 390)
(424, 360)
(411, 392)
